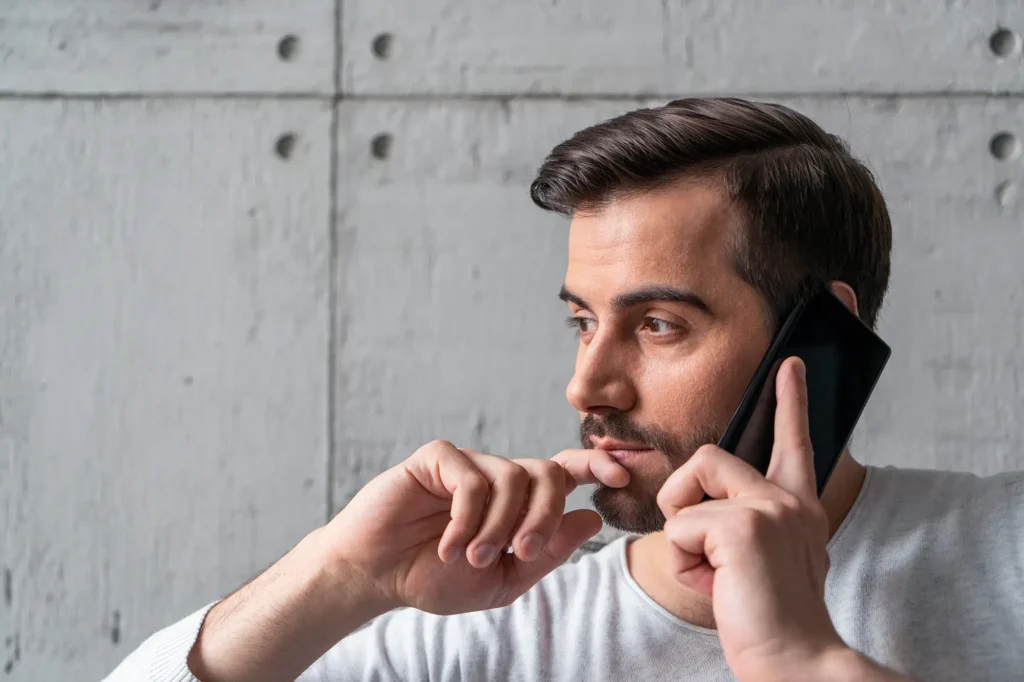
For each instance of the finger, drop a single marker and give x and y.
(713, 471)
(457, 476)
(574, 529)
(591, 466)
(686, 560)
(693, 536)
(510, 484)
(704, 529)
(792, 465)
(544, 507)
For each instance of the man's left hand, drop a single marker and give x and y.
(758, 548)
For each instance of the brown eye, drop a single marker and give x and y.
(659, 326)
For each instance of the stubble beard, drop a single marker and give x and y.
(634, 508)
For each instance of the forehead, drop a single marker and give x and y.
(681, 235)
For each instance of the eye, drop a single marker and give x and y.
(582, 325)
(657, 325)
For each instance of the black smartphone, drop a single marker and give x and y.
(844, 360)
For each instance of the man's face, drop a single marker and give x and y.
(670, 336)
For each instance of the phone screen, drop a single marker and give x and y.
(844, 360)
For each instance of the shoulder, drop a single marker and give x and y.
(927, 495)
(959, 482)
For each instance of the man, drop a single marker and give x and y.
(693, 226)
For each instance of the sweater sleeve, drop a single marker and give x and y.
(163, 657)
(399, 645)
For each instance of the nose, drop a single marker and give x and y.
(602, 382)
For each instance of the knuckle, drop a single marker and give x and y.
(516, 475)
(790, 501)
(664, 498)
(705, 455)
(778, 514)
(550, 468)
(475, 484)
(778, 510)
(434, 447)
(674, 525)
(750, 523)
(661, 497)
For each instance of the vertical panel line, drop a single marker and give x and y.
(332, 269)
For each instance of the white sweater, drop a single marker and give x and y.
(927, 578)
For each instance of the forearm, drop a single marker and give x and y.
(283, 621)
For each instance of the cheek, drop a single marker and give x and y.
(735, 368)
(702, 389)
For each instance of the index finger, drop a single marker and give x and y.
(792, 464)
(590, 466)
(711, 471)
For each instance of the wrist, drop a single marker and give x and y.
(279, 624)
(334, 581)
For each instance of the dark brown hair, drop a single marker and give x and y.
(813, 212)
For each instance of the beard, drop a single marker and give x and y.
(634, 508)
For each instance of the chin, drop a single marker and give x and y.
(628, 511)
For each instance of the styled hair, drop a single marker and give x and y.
(813, 213)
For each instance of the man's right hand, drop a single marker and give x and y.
(429, 533)
(432, 533)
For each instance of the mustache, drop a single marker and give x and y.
(618, 426)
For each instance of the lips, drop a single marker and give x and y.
(621, 451)
(626, 455)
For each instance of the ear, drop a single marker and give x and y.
(844, 292)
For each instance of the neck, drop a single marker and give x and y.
(647, 557)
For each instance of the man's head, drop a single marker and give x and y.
(695, 227)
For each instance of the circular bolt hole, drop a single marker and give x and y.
(1004, 146)
(381, 146)
(1004, 43)
(285, 146)
(288, 48)
(1006, 194)
(382, 45)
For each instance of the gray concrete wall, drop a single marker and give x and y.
(253, 252)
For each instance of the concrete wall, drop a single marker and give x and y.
(253, 252)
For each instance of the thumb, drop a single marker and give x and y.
(576, 528)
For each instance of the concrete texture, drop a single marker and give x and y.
(195, 370)
(668, 47)
(167, 46)
(163, 289)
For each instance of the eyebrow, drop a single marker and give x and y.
(652, 294)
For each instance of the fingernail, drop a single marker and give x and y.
(453, 554)
(801, 371)
(532, 543)
(483, 555)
